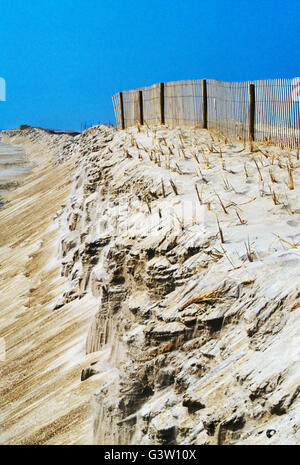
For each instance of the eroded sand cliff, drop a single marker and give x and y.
(138, 308)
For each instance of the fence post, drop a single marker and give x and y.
(122, 110)
(162, 102)
(204, 104)
(251, 112)
(141, 109)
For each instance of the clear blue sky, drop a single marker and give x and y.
(63, 59)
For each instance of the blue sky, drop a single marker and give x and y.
(63, 59)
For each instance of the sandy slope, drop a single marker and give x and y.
(190, 338)
(41, 400)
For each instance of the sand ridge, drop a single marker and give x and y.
(172, 262)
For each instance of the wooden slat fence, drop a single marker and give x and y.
(226, 107)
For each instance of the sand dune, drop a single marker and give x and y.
(149, 290)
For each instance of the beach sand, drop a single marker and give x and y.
(14, 166)
(36, 337)
(113, 261)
